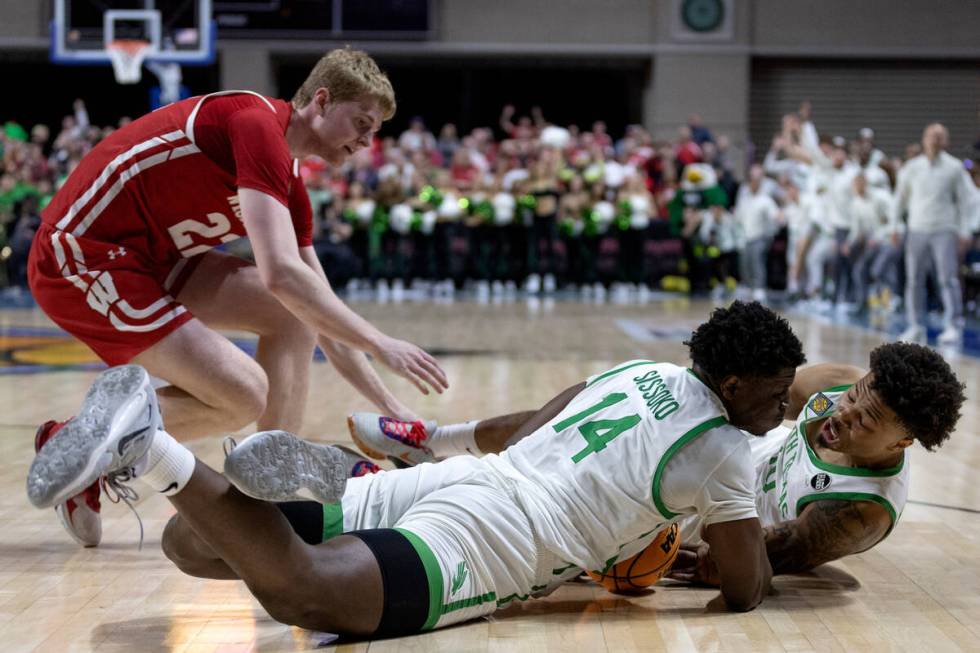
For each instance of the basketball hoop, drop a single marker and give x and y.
(127, 57)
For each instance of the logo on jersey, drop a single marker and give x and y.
(236, 206)
(820, 481)
(459, 577)
(820, 404)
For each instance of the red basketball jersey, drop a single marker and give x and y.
(166, 185)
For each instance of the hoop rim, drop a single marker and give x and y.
(127, 56)
(128, 45)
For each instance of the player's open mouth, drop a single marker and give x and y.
(828, 435)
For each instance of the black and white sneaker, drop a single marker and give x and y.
(110, 435)
(278, 466)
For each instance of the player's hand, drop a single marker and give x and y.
(694, 565)
(411, 362)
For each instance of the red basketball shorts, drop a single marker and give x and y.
(114, 299)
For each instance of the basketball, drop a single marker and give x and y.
(645, 568)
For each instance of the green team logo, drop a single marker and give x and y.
(459, 577)
(820, 404)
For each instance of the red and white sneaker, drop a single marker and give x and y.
(383, 437)
(357, 464)
(79, 514)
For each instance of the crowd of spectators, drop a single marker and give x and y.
(864, 229)
(528, 205)
(533, 206)
(33, 165)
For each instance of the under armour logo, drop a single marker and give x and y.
(113, 253)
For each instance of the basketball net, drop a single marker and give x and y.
(127, 57)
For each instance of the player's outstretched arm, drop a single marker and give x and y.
(309, 296)
(509, 435)
(815, 378)
(825, 531)
(353, 364)
(738, 552)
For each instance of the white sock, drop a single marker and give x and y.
(454, 440)
(169, 465)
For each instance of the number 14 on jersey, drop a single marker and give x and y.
(598, 433)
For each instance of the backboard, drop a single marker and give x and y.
(176, 31)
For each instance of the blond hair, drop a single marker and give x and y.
(349, 75)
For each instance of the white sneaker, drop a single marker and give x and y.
(759, 295)
(80, 515)
(823, 305)
(914, 334)
(533, 284)
(381, 437)
(951, 335)
(278, 466)
(398, 290)
(549, 283)
(110, 436)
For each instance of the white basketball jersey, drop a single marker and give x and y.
(590, 479)
(790, 475)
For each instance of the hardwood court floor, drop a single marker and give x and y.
(917, 591)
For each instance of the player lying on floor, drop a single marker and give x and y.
(832, 484)
(638, 446)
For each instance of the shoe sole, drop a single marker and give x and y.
(278, 466)
(363, 446)
(76, 456)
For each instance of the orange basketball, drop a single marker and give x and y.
(645, 568)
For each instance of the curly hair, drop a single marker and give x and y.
(747, 340)
(919, 386)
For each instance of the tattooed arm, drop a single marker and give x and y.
(825, 531)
